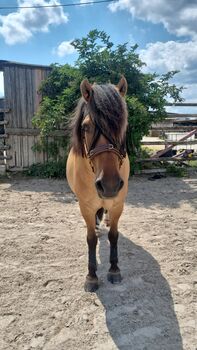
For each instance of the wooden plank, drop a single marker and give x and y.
(4, 147)
(32, 154)
(5, 157)
(25, 151)
(168, 142)
(164, 159)
(151, 171)
(23, 97)
(13, 100)
(186, 104)
(26, 131)
(14, 169)
(4, 110)
(15, 95)
(4, 122)
(30, 97)
(180, 115)
(2, 169)
(12, 151)
(22, 131)
(173, 128)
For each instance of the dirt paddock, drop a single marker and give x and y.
(43, 263)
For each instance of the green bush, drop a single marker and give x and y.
(50, 169)
(176, 170)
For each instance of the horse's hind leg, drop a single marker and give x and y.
(99, 216)
(91, 283)
(114, 275)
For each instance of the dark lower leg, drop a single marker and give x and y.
(113, 238)
(92, 242)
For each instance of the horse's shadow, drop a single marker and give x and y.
(139, 312)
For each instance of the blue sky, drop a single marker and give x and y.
(165, 30)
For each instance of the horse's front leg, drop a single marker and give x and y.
(114, 275)
(91, 283)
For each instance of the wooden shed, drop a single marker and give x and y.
(21, 101)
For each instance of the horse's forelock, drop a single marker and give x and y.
(108, 111)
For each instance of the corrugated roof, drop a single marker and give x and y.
(4, 63)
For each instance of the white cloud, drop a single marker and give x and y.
(19, 27)
(178, 17)
(65, 48)
(162, 57)
(171, 55)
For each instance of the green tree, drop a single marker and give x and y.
(59, 95)
(147, 93)
(100, 61)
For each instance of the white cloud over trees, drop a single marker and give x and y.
(64, 48)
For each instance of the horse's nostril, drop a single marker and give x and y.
(121, 184)
(99, 186)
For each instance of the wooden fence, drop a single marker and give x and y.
(20, 103)
(178, 131)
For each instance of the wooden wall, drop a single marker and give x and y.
(22, 98)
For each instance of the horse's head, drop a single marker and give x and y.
(103, 128)
(103, 132)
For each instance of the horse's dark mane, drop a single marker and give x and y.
(108, 111)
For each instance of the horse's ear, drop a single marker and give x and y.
(86, 89)
(122, 86)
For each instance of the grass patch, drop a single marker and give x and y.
(176, 170)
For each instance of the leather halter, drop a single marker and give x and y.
(105, 148)
(109, 147)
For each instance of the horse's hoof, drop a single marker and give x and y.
(91, 285)
(114, 277)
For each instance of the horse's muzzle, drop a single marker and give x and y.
(110, 188)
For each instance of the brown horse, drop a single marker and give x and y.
(98, 166)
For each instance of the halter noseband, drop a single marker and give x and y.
(104, 148)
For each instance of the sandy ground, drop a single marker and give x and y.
(43, 263)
